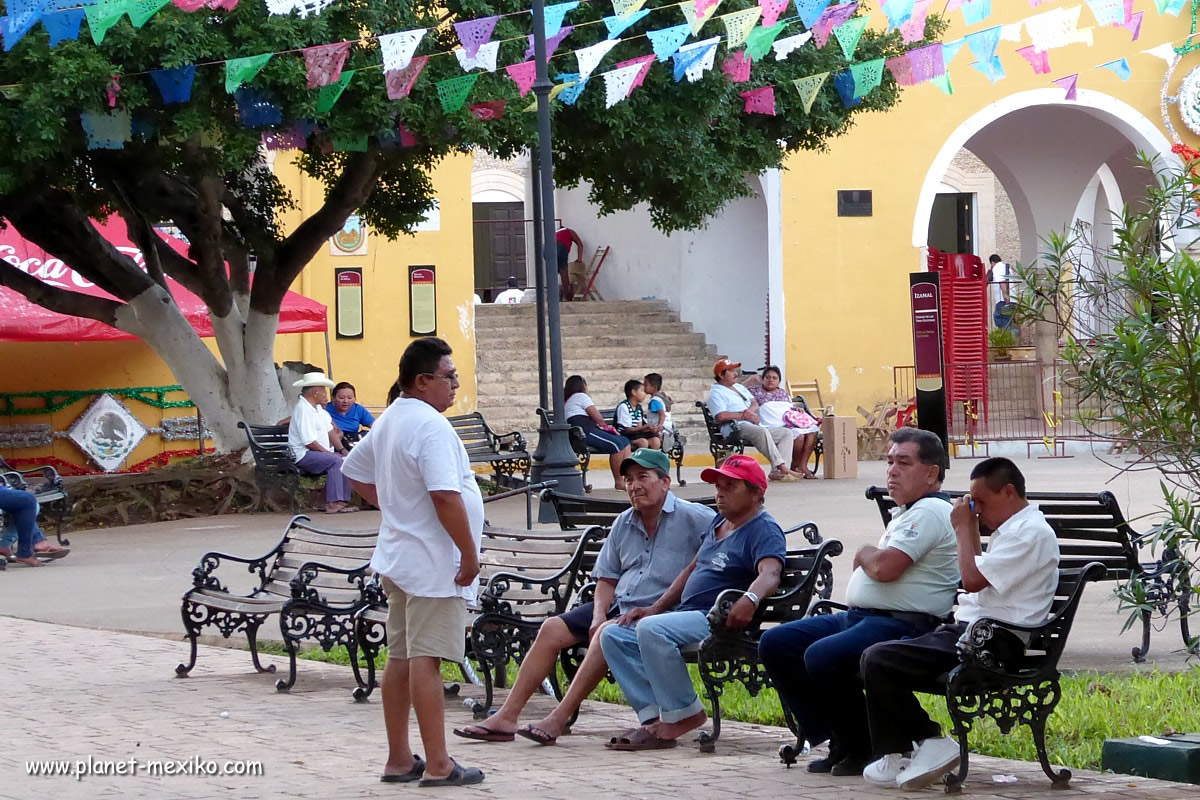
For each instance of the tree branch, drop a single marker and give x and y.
(62, 301)
(351, 190)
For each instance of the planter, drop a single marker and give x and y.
(1023, 353)
(999, 354)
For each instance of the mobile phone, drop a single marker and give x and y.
(971, 503)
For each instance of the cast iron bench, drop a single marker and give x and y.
(525, 577)
(1091, 527)
(580, 511)
(584, 451)
(313, 579)
(50, 493)
(505, 453)
(721, 446)
(274, 466)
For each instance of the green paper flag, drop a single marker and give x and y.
(848, 35)
(103, 16)
(943, 82)
(739, 24)
(328, 95)
(808, 89)
(867, 76)
(240, 70)
(760, 40)
(453, 92)
(140, 11)
(358, 144)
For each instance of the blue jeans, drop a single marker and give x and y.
(21, 510)
(813, 664)
(648, 665)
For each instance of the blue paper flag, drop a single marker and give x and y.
(23, 15)
(617, 25)
(63, 5)
(255, 109)
(570, 94)
(555, 15)
(1120, 66)
(898, 12)
(810, 11)
(844, 83)
(62, 24)
(983, 43)
(667, 40)
(976, 11)
(106, 131)
(175, 85)
(992, 68)
(683, 61)
(950, 50)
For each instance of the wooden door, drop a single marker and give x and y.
(499, 244)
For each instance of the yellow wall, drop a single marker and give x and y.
(846, 278)
(370, 362)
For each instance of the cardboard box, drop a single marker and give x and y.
(841, 447)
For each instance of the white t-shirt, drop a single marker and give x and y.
(1021, 564)
(309, 424)
(509, 296)
(412, 451)
(577, 405)
(922, 531)
(734, 398)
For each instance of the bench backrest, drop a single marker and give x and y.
(804, 573)
(269, 446)
(538, 555)
(304, 542)
(474, 432)
(580, 511)
(1090, 528)
(714, 427)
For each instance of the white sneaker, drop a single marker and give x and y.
(932, 759)
(886, 770)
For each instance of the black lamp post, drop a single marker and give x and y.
(553, 459)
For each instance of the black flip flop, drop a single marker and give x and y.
(413, 774)
(52, 554)
(535, 734)
(458, 776)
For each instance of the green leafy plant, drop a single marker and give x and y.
(1001, 339)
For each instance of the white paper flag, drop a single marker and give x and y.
(1057, 28)
(618, 83)
(484, 58)
(399, 48)
(1011, 33)
(281, 6)
(785, 47)
(1164, 51)
(589, 58)
(696, 71)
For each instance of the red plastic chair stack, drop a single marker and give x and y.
(964, 331)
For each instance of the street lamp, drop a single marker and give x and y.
(553, 459)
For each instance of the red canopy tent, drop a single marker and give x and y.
(23, 321)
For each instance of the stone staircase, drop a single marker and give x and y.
(607, 342)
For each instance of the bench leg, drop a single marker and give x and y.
(954, 780)
(192, 631)
(282, 685)
(60, 511)
(788, 753)
(252, 638)
(708, 741)
(1060, 779)
(480, 710)
(1140, 653)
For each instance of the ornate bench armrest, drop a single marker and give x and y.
(491, 599)
(720, 612)
(827, 607)
(512, 441)
(809, 529)
(309, 571)
(202, 575)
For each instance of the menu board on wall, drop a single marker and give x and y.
(422, 300)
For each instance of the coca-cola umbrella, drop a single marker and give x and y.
(24, 321)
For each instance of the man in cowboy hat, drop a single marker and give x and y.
(316, 445)
(743, 549)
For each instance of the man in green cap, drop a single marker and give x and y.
(649, 546)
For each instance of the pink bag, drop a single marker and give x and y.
(795, 418)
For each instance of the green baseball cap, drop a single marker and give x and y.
(646, 457)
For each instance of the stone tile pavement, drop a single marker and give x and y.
(77, 693)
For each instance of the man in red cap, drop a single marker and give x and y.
(743, 549)
(730, 402)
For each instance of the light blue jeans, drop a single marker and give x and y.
(648, 665)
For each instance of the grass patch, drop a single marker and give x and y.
(1094, 707)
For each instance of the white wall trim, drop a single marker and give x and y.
(772, 191)
(1143, 133)
(486, 184)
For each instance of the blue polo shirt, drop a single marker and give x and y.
(731, 562)
(352, 419)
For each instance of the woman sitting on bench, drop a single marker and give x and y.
(581, 411)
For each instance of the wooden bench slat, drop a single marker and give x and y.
(319, 552)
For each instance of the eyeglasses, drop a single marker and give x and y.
(452, 377)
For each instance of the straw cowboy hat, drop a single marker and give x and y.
(313, 379)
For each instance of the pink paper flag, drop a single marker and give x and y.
(914, 29)
(928, 62)
(645, 61)
(955, 5)
(831, 18)
(524, 73)
(407, 137)
(227, 5)
(760, 101)
(1039, 61)
(400, 81)
(1068, 83)
(325, 63)
(475, 33)
(1134, 25)
(737, 67)
(188, 5)
(112, 90)
(703, 5)
(771, 9)
(489, 111)
(901, 69)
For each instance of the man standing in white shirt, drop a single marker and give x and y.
(1013, 582)
(415, 469)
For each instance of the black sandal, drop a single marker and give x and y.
(418, 769)
(457, 777)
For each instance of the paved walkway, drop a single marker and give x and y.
(77, 694)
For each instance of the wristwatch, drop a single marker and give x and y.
(752, 597)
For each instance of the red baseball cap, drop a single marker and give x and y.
(738, 467)
(724, 364)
